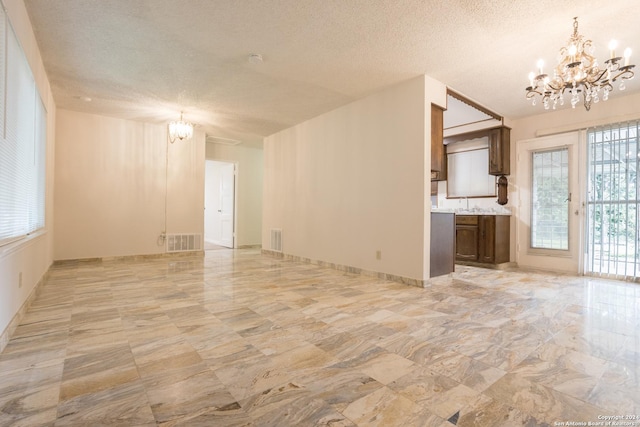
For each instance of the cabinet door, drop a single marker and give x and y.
(438, 154)
(499, 151)
(502, 238)
(467, 242)
(487, 239)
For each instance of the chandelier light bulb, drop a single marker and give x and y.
(627, 56)
(540, 64)
(613, 44)
(532, 76)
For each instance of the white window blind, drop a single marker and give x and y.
(3, 66)
(22, 145)
(468, 169)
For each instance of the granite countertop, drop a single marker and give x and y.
(501, 210)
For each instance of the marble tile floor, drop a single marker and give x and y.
(236, 338)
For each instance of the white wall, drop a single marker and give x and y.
(31, 257)
(353, 181)
(112, 182)
(249, 163)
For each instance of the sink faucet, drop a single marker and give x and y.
(466, 199)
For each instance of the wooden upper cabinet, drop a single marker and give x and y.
(499, 151)
(438, 153)
(499, 148)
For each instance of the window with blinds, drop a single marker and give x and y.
(613, 201)
(22, 142)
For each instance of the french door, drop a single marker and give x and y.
(548, 231)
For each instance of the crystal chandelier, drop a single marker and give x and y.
(180, 130)
(578, 73)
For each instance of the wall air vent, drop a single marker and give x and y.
(184, 242)
(276, 240)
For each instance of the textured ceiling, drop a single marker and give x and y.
(150, 59)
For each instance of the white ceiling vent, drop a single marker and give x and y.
(220, 140)
(184, 242)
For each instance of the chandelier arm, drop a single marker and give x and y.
(623, 75)
(607, 86)
(599, 76)
(556, 89)
(533, 92)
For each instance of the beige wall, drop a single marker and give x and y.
(248, 187)
(353, 181)
(112, 182)
(30, 257)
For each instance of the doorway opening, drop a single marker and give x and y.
(219, 204)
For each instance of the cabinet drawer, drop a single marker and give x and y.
(467, 219)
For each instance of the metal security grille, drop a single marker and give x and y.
(549, 199)
(612, 202)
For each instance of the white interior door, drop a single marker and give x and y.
(211, 202)
(548, 234)
(227, 203)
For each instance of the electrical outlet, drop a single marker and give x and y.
(378, 254)
(20, 279)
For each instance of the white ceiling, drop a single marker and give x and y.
(150, 59)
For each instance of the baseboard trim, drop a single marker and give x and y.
(128, 257)
(501, 266)
(348, 269)
(17, 318)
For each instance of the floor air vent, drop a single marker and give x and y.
(276, 240)
(184, 242)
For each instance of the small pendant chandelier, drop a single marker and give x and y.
(180, 130)
(578, 74)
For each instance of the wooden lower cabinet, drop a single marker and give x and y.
(482, 238)
(467, 233)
